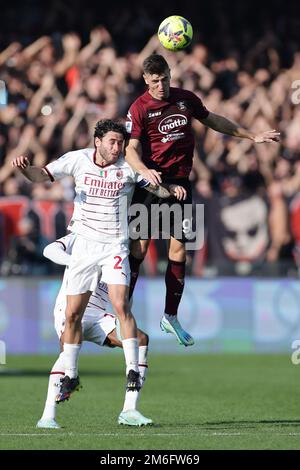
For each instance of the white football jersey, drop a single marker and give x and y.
(103, 194)
(99, 302)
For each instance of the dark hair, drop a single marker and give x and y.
(105, 125)
(155, 64)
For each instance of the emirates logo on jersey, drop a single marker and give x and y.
(119, 174)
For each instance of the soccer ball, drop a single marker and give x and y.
(175, 33)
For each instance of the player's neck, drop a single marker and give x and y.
(100, 161)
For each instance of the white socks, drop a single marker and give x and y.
(143, 363)
(132, 397)
(71, 356)
(57, 372)
(131, 353)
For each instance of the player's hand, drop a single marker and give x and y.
(178, 191)
(152, 176)
(268, 136)
(21, 162)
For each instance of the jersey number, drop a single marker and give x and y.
(118, 262)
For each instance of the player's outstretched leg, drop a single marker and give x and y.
(170, 324)
(133, 418)
(67, 387)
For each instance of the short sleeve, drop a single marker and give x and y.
(199, 110)
(133, 176)
(134, 121)
(63, 166)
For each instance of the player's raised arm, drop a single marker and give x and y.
(224, 125)
(133, 156)
(33, 173)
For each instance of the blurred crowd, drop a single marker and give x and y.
(59, 85)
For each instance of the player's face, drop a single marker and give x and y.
(110, 146)
(158, 85)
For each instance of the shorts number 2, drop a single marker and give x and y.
(118, 262)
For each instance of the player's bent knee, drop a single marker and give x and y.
(177, 254)
(121, 307)
(143, 339)
(124, 315)
(73, 317)
(177, 251)
(139, 249)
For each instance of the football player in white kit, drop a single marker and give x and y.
(104, 184)
(99, 326)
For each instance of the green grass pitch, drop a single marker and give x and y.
(196, 402)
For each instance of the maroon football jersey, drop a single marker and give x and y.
(164, 130)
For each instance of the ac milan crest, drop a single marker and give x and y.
(119, 174)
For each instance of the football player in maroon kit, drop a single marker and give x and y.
(160, 148)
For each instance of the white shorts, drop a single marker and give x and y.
(91, 259)
(95, 327)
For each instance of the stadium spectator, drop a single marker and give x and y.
(25, 254)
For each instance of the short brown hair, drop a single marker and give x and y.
(106, 125)
(155, 64)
